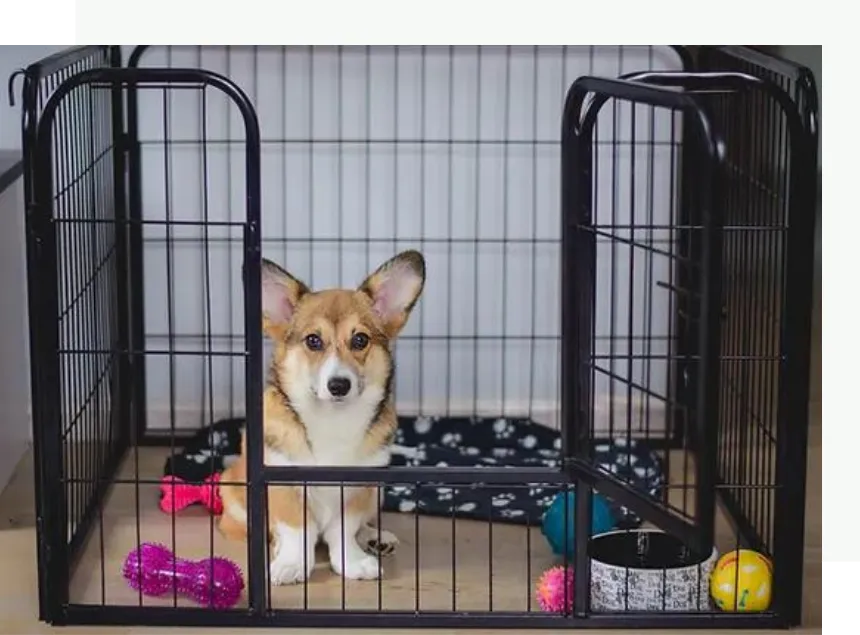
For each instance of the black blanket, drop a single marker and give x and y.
(458, 442)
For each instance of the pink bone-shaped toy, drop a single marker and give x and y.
(176, 494)
(215, 582)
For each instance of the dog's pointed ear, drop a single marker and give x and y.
(394, 288)
(281, 294)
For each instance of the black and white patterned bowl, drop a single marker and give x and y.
(648, 570)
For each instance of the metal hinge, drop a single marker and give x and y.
(123, 142)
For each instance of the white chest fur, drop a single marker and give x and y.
(326, 503)
(335, 434)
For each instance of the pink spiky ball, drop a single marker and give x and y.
(550, 590)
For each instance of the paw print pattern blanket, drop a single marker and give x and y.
(458, 442)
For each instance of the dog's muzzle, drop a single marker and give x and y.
(337, 381)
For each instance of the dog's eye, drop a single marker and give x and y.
(359, 341)
(314, 342)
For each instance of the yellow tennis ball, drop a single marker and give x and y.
(742, 580)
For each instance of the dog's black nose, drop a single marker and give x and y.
(339, 386)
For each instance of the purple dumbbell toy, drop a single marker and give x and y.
(215, 582)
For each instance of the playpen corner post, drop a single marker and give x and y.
(709, 337)
(252, 281)
(29, 119)
(124, 415)
(257, 485)
(577, 271)
(796, 348)
(134, 262)
(52, 515)
(681, 372)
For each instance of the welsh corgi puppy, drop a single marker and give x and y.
(327, 402)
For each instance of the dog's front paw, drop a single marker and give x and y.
(381, 548)
(377, 542)
(292, 555)
(363, 567)
(284, 570)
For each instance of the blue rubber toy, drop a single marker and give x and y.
(602, 519)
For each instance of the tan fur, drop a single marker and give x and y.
(378, 308)
(285, 502)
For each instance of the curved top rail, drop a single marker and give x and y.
(802, 76)
(579, 117)
(63, 59)
(139, 76)
(33, 76)
(136, 53)
(726, 80)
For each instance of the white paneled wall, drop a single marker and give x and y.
(369, 151)
(14, 57)
(15, 428)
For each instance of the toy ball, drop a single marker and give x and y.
(554, 591)
(553, 526)
(742, 581)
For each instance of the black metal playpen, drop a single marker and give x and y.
(619, 248)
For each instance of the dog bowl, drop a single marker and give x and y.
(648, 570)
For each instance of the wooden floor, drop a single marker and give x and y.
(518, 556)
(460, 564)
(511, 567)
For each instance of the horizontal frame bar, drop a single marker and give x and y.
(118, 615)
(411, 474)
